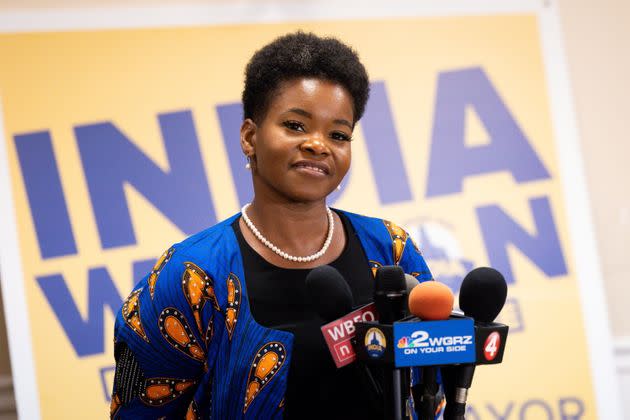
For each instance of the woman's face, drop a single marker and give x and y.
(301, 149)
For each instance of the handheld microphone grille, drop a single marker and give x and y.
(483, 294)
(328, 292)
(390, 293)
(431, 301)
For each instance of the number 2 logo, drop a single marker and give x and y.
(419, 339)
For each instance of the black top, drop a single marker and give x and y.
(277, 299)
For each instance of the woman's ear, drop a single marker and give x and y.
(248, 137)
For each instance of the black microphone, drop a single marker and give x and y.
(482, 295)
(390, 298)
(328, 292)
(331, 298)
(390, 293)
(410, 283)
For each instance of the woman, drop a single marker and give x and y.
(223, 326)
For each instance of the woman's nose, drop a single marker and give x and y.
(316, 145)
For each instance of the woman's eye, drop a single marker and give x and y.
(294, 125)
(337, 135)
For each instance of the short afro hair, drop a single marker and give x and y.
(300, 55)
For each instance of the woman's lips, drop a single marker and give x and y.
(315, 168)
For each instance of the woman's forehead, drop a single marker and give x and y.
(314, 93)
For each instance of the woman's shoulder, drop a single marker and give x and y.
(360, 218)
(373, 226)
(387, 243)
(209, 241)
(208, 253)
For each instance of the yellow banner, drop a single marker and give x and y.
(123, 142)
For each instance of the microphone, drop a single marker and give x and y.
(328, 292)
(390, 293)
(482, 295)
(331, 297)
(390, 298)
(432, 336)
(429, 301)
(410, 282)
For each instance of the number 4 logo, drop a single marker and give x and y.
(491, 346)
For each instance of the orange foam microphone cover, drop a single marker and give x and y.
(431, 301)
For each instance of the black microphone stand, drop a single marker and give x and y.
(425, 393)
(390, 298)
(457, 380)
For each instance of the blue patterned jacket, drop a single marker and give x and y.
(186, 344)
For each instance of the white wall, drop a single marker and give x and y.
(597, 35)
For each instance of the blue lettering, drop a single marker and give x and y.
(86, 336)
(384, 148)
(571, 408)
(45, 194)
(543, 248)
(501, 416)
(140, 270)
(450, 160)
(110, 160)
(471, 413)
(230, 119)
(107, 385)
(532, 403)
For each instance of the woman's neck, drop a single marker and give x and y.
(296, 228)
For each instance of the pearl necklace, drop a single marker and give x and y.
(268, 244)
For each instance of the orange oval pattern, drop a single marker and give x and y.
(183, 386)
(114, 405)
(193, 411)
(266, 363)
(252, 390)
(159, 391)
(399, 239)
(157, 268)
(233, 303)
(131, 314)
(374, 265)
(198, 288)
(175, 330)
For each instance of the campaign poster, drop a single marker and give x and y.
(117, 143)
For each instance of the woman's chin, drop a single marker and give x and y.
(309, 195)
